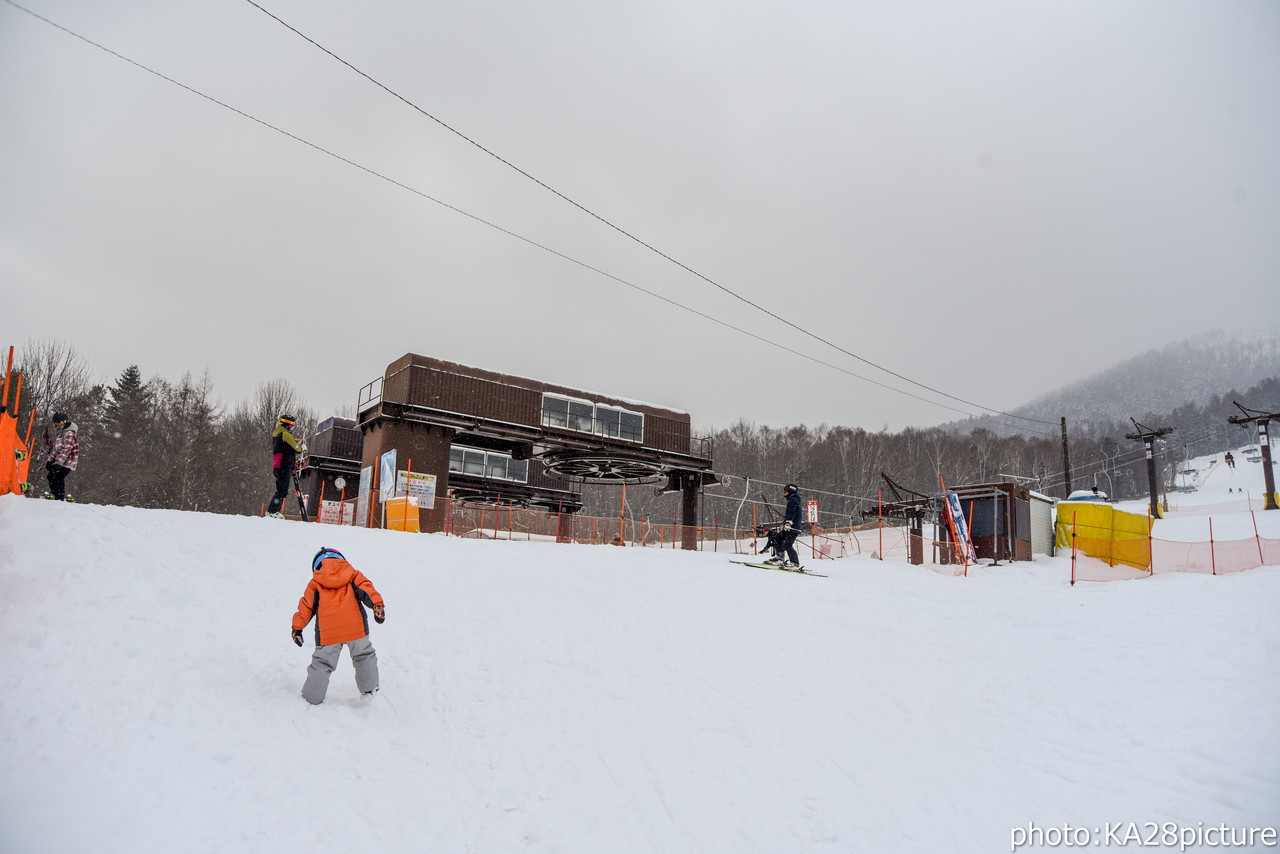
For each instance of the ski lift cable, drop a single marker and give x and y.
(517, 236)
(628, 234)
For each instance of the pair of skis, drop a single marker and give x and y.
(795, 570)
(297, 487)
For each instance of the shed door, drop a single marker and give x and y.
(1041, 527)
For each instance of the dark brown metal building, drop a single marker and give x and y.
(489, 435)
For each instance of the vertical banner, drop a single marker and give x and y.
(419, 486)
(387, 475)
(362, 502)
(964, 545)
(811, 511)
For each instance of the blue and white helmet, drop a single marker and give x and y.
(324, 554)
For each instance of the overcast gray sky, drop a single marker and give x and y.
(953, 191)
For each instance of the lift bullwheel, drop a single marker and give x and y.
(603, 468)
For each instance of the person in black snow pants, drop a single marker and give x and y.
(64, 453)
(784, 548)
(284, 453)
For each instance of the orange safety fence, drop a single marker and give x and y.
(1120, 552)
(1208, 557)
(1244, 504)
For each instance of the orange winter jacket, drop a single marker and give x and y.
(337, 595)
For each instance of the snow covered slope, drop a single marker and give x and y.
(598, 700)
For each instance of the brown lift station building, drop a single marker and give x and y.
(489, 436)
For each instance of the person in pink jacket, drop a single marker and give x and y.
(64, 453)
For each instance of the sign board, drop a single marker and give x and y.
(338, 513)
(362, 500)
(964, 545)
(811, 509)
(419, 486)
(387, 474)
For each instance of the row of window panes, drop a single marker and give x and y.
(486, 464)
(587, 418)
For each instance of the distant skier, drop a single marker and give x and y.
(284, 454)
(1231, 461)
(783, 542)
(63, 454)
(336, 597)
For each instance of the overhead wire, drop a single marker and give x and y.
(493, 225)
(628, 234)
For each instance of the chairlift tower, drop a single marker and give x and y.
(1262, 419)
(1148, 437)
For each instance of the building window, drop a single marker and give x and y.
(487, 464)
(581, 417)
(555, 412)
(632, 427)
(600, 420)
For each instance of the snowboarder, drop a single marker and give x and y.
(337, 596)
(284, 453)
(783, 542)
(63, 453)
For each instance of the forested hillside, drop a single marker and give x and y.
(156, 442)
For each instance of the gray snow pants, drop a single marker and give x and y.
(325, 659)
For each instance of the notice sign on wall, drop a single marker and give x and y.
(419, 486)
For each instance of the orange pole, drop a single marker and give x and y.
(320, 506)
(1261, 561)
(1073, 547)
(622, 516)
(972, 505)
(1151, 543)
(342, 505)
(1213, 559)
(4, 404)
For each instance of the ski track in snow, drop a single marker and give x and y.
(550, 698)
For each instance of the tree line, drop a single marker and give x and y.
(154, 442)
(160, 443)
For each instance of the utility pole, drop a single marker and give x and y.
(1262, 419)
(1066, 458)
(1148, 437)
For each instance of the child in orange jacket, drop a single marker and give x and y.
(337, 596)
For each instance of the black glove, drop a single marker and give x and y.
(297, 636)
(379, 613)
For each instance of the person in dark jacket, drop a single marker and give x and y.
(783, 542)
(284, 454)
(64, 453)
(336, 597)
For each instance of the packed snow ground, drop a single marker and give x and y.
(599, 700)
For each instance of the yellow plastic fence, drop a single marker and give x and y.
(1103, 532)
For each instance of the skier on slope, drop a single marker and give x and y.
(63, 454)
(783, 542)
(336, 597)
(284, 453)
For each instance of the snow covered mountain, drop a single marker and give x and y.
(1164, 378)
